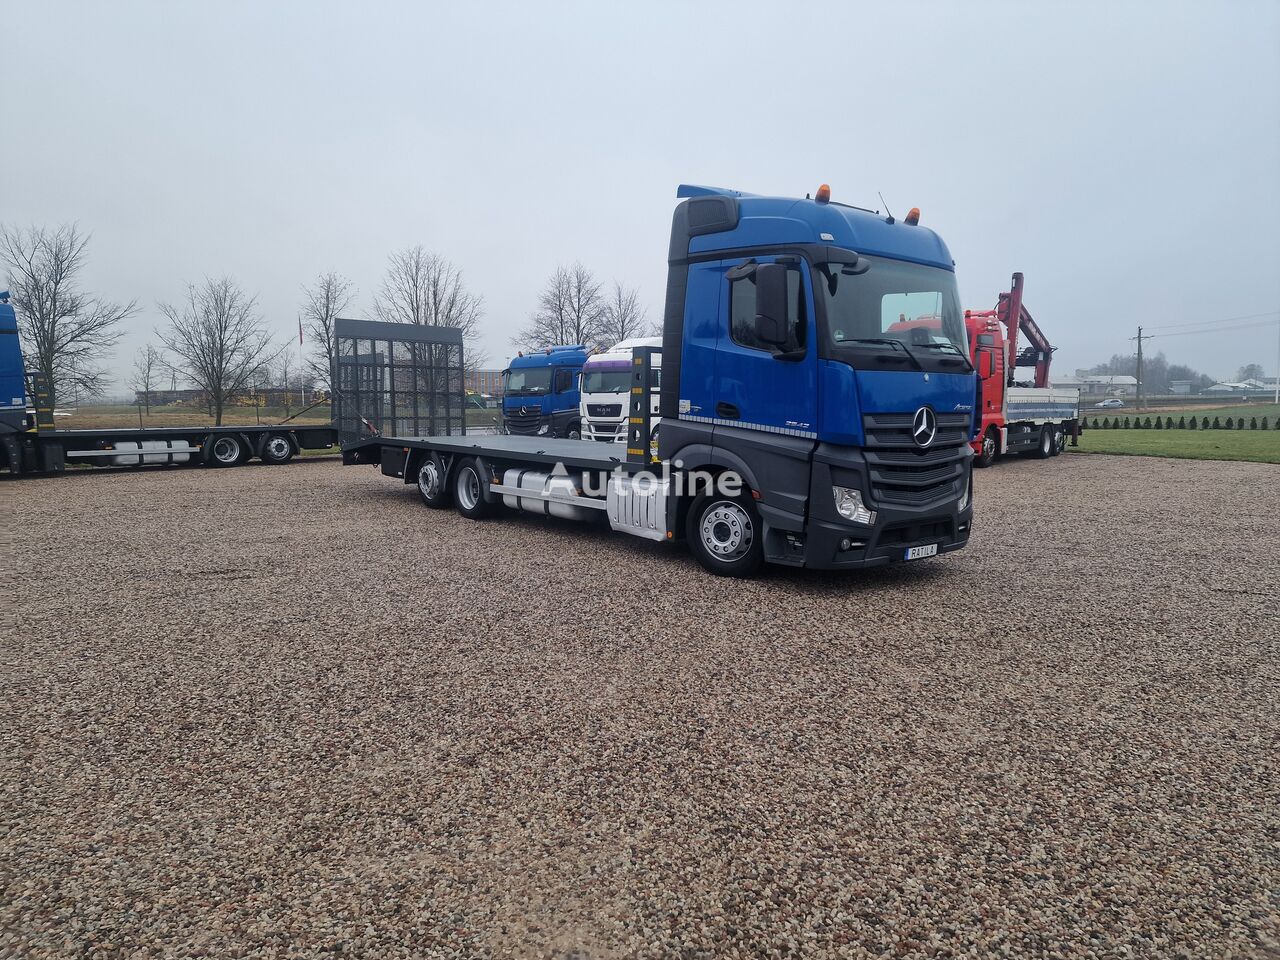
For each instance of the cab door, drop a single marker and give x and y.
(761, 386)
(766, 395)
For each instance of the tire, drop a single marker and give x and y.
(1058, 442)
(1044, 449)
(468, 484)
(277, 448)
(433, 483)
(726, 535)
(990, 448)
(575, 431)
(226, 450)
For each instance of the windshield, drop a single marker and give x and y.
(606, 381)
(532, 381)
(914, 305)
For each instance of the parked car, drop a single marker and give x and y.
(1110, 402)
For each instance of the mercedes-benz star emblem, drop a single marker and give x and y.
(523, 412)
(924, 427)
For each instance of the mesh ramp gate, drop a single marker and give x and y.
(397, 380)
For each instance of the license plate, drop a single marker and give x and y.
(919, 553)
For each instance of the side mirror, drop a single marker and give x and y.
(771, 303)
(984, 364)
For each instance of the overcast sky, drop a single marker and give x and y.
(1124, 156)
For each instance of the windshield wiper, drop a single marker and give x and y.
(953, 348)
(892, 342)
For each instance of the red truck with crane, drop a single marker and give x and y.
(1025, 416)
(1017, 416)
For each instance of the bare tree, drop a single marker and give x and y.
(218, 338)
(148, 368)
(570, 310)
(322, 304)
(1251, 371)
(285, 376)
(624, 317)
(426, 288)
(64, 331)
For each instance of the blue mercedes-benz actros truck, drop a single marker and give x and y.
(540, 393)
(803, 422)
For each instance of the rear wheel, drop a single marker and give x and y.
(227, 451)
(726, 535)
(1059, 440)
(990, 448)
(1044, 449)
(277, 449)
(468, 491)
(431, 482)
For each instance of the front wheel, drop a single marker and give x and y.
(574, 432)
(468, 491)
(990, 448)
(726, 535)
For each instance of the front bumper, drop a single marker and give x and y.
(897, 527)
(886, 542)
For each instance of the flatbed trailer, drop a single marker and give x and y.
(51, 451)
(386, 376)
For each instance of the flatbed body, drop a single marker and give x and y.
(542, 451)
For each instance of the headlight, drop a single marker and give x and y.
(964, 497)
(542, 430)
(850, 506)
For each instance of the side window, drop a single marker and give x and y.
(564, 380)
(742, 313)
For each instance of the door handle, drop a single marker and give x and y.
(727, 410)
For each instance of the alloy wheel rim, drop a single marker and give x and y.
(226, 450)
(429, 479)
(469, 488)
(726, 531)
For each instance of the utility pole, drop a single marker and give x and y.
(1277, 374)
(1139, 338)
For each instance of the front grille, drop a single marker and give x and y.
(901, 473)
(523, 422)
(604, 410)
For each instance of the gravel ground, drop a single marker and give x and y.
(282, 711)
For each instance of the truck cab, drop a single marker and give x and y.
(13, 390)
(606, 381)
(540, 393)
(782, 364)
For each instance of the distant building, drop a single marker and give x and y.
(1244, 386)
(484, 381)
(1098, 384)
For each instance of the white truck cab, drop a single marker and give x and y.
(606, 378)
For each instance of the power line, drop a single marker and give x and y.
(1256, 325)
(1199, 323)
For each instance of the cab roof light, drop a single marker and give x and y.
(823, 195)
(913, 217)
